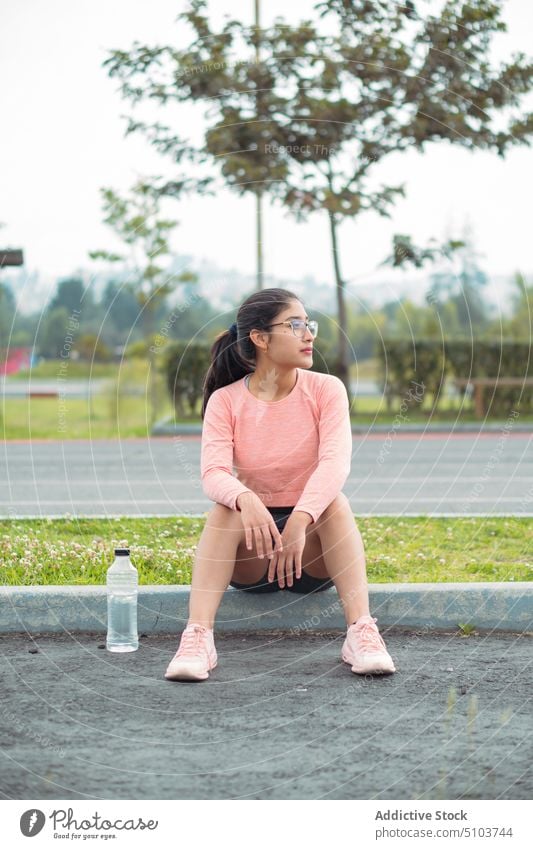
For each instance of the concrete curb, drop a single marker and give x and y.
(164, 609)
(167, 429)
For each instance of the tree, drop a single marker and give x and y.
(8, 309)
(461, 292)
(136, 220)
(52, 332)
(473, 308)
(91, 348)
(240, 106)
(520, 323)
(334, 106)
(119, 302)
(72, 295)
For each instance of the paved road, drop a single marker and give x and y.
(281, 717)
(13, 388)
(409, 474)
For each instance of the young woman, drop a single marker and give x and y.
(287, 432)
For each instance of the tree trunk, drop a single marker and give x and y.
(259, 239)
(153, 386)
(343, 370)
(258, 194)
(152, 366)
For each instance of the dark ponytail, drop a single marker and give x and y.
(233, 356)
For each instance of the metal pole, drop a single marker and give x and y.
(258, 193)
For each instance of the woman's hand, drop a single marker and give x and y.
(289, 560)
(258, 523)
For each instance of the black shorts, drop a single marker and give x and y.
(305, 584)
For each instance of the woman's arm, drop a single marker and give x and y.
(216, 462)
(334, 452)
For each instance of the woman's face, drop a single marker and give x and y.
(283, 346)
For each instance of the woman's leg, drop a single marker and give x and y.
(343, 557)
(214, 563)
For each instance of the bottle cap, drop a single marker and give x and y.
(124, 551)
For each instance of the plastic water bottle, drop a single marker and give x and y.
(122, 591)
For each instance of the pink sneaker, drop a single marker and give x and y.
(196, 655)
(365, 650)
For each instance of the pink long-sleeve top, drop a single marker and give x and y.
(296, 451)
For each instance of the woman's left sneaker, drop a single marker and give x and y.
(365, 650)
(196, 655)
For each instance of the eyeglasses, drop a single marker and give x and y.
(299, 326)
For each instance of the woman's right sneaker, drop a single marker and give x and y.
(365, 650)
(196, 655)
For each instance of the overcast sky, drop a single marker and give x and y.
(62, 138)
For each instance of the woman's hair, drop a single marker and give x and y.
(232, 358)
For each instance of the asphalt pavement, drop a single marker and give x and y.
(392, 473)
(281, 717)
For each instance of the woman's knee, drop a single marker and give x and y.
(222, 515)
(339, 506)
(222, 520)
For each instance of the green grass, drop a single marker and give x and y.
(113, 413)
(116, 413)
(406, 550)
(76, 369)
(103, 417)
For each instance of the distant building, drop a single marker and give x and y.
(16, 359)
